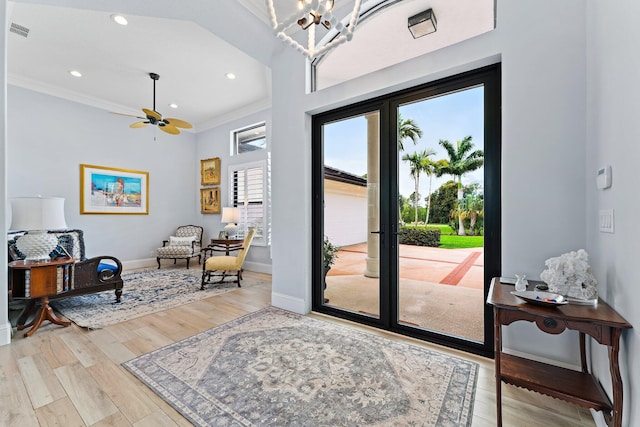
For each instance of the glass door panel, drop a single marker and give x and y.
(351, 194)
(441, 195)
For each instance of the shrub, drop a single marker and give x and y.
(420, 236)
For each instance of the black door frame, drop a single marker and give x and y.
(489, 77)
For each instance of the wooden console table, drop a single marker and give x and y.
(33, 280)
(599, 321)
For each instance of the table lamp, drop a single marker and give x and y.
(37, 215)
(231, 216)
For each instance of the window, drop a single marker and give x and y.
(249, 191)
(249, 139)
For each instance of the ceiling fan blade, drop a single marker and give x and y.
(169, 128)
(152, 114)
(128, 115)
(178, 123)
(138, 125)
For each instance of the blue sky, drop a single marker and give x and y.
(452, 117)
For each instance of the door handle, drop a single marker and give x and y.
(378, 232)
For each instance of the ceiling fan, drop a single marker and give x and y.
(152, 117)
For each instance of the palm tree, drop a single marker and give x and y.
(416, 161)
(407, 129)
(431, 168)
(461, 160)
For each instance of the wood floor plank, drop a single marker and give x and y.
(124, 390)
(116, 351)
(41, 383)
(157, 419)
(56, 352)
(16, 409)
(59, 413)
(82, 347)
(91, 401)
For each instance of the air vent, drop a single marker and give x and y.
(19, 30)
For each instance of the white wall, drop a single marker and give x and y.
(613, 100)
(345, 213)
(5, 326)
(216, 142)
(48, 139)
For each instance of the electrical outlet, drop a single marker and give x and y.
(606, 221)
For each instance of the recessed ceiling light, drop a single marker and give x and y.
(172, 105)
(75, 73)
(119, 19)
(230, 76)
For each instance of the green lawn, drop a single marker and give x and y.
(449, 241)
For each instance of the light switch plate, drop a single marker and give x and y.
(606, 221)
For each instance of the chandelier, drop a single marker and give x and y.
(309, 15)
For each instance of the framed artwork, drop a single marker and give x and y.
(210, 200)
(105, 190)
(210, 171)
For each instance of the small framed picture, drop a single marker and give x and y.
(210, 200)
(210, 171)
(222, 235)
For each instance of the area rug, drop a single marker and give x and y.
(273, 367)
(144, 292)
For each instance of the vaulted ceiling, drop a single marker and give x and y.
(192, 46)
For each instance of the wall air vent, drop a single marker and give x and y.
(19, 29)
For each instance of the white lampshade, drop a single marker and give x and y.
(231, 216)
(37, 215)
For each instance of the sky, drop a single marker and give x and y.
(450, 117)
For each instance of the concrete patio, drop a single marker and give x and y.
(440, 289)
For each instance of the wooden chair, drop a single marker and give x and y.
(226, 265)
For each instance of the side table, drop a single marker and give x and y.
(33, 280)
(599, 321)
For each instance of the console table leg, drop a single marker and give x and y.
(45, 313)
(497, 351)
(616, 379)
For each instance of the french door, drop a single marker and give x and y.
(395, 180)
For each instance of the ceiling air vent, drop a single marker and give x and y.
(19, 29)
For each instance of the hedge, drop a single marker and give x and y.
(419, 236)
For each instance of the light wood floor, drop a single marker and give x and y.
(72, 377)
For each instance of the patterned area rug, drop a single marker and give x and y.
(144, 292)
(278, 368)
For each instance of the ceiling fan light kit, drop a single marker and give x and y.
(153, 117)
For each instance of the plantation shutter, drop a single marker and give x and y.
(249, 195)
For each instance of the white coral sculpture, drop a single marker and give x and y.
(570, 274)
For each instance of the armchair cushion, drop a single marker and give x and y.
(222, 263)
(181, 241)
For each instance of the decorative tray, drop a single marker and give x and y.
(541, 298)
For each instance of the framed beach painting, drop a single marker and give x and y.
(210, 171)
(210, 200)
(105, 190)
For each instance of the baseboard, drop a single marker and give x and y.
(288, 303)
(139, 263)
(258, 267)
(5, 333)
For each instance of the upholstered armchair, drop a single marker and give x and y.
(226, 265)
(184, 244)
